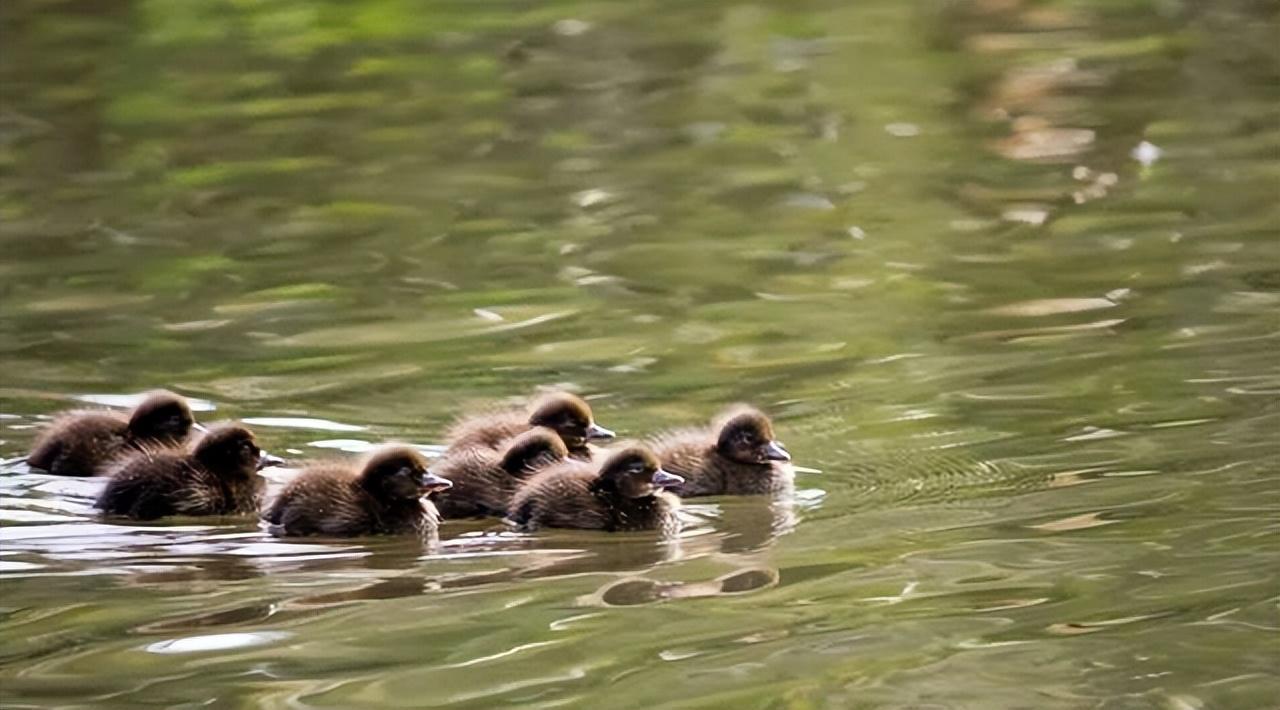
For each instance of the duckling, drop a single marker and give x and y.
(566, 414)
(216, 476)
(383, 497)
(484, 480)
(626, 492)
(742, 457)
(84, 442)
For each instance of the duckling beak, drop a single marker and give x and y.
(595, 431)
(775, 451)
(666, 479)
(200, 427)
(266, 460)
(432, 483)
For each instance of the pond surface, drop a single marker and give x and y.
(1006, 274)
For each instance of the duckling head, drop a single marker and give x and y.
(161, 415)
(533, 449)
(747, 437)
(570, 417)
(399, 473)
(635, 472)
(230, 451)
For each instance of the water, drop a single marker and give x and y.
(1007, 274)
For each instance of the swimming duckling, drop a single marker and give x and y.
(741, 458)
(382, 497)
(566, 414)
(84, 442)
(626, 492)
(217, 476)
(484, 480)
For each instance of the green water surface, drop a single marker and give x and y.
(1006, 273)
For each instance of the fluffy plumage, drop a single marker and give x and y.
(566, 414)
(484, 480)
(625, 492)
(86, 442)
(384, 496)
(217, 476)
(740, 456)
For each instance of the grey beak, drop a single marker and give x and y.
(666, 479)
(266, 460)
(432, 483)
(595, 431)
(200, 427)
(775, 451)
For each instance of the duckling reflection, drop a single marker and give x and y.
(566, 414)
(147, 571)
(86, 442)
(633, 591)
(235, 616)
(751, 524)
(740, 456)
(573, 554)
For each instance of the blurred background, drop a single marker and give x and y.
(1006, 272)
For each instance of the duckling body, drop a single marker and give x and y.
(566, 414)
(485, 480)
(382, 497)
(86, 442)
(217, 476)
(625, 492)
(739, 457)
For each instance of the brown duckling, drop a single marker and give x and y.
(218, 475)
(566, 414)
(484, 480)
(383, 497)
(742, 457)
(626, 492)
(84, 442)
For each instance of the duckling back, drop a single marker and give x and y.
(80, 443)
(322, 500)
(481, 487)
(159, 482)
(484, 481)
(326, 499)
(489, 430)
(692, 454)
(559, 496)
